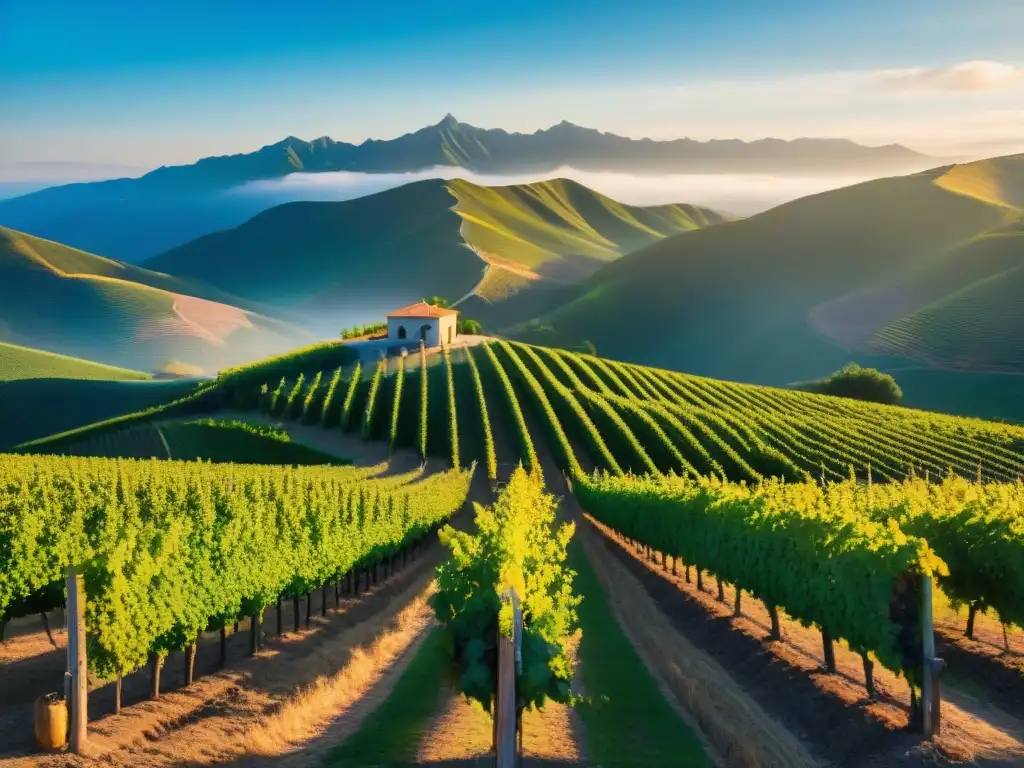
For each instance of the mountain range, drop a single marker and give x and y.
(172, 205)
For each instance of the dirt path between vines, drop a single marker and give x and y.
(829, 712)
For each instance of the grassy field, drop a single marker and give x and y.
(25, 363)
(627, 720)
(35, 408)
(79, 304)
(785, 295)
(216, 440)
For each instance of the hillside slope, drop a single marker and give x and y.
(977, 325)
(25, 363)
(70, 302)
(785, 295)
(345, 262)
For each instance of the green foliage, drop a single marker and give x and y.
(574, 413)
(859, 383)
(332, 388)
(977, 529)
(276, 402)
(518, 546)
(346, 407)
(546, 413)
(272, 433)
(807, 549)
(437, 301)
(467, 326)
(485, 419)
(397, 402)
(293, 403)
(371, 398)
(369, 329)
(453, 427)
(424, 402)
(309, 414)
(316, 357)
(526, 449)
(171, 548)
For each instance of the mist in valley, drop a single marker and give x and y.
(740, 194)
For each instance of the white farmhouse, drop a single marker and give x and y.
(435, 325)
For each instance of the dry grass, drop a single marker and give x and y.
(311, 711)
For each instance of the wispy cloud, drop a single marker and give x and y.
(968, 76)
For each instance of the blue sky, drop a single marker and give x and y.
(147, 83)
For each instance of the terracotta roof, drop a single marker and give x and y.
(422, 309)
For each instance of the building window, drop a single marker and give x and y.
(401, 331)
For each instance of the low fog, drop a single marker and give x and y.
(742, 194)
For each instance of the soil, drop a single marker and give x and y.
(982, 667)
(831, 713)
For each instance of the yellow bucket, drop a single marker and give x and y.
(51, 721)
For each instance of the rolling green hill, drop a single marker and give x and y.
(344, 262)
(66, 301)
(31, 409)
(974, 327)
(24, 363)
(792, 293)
(598, 413)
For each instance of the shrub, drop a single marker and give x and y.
(859, 383)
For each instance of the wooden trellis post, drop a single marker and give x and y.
(510, 662)
(931, 693)
(76, 680)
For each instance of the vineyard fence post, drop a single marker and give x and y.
(77, 677)
(931, 694)
(509, 663)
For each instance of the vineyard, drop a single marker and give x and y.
(172, 549)
(833, 513)
(618, 417)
